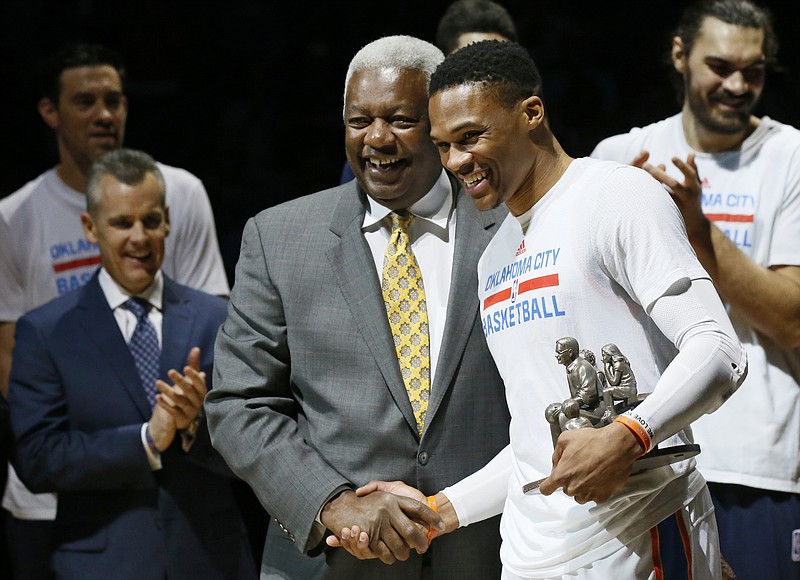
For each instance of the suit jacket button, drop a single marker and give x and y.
(423, 458)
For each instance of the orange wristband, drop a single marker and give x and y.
(639, 430)
(432, 504)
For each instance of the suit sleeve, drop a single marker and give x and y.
(49, 455)
(252, 414)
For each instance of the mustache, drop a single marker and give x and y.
(724, 95)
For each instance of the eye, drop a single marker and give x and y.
(442, 146)
(754, 73)
(84, 102)
(152, 221)
(721, 70)
(471, 136)
(402, 122)
(113, 101)
(121, 223)
(359, 122)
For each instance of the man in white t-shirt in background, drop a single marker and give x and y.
(597, 251)
(736, 179)
(45, 252)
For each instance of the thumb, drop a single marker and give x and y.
(374, 485)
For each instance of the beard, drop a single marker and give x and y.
(714, 119)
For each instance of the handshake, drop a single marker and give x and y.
(386, 520)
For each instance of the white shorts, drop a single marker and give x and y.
(641, 559)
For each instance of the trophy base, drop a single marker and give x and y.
(658, 457)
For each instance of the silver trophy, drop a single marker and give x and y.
(597, 397)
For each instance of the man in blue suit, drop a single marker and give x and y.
(141, 492)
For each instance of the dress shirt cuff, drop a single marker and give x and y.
(153, 455)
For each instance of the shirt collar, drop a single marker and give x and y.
(116, 295)
(435, 206)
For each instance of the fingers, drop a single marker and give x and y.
(549, 485)
(640, 159)
(397, 544)
(182, 401)
(394, 487)
(367, 489)
(421, 513)
(356, 542)
(193, 360)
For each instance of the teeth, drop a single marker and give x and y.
(473, 179)
(381, 162)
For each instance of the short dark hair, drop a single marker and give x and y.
(127, 166)
(503, 67)
(74, 56)
(463, 16)
(742, 13)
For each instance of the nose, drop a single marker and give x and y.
(458, 160)
(103, 112)
(379, 134)
(138, 233)
(736, 83)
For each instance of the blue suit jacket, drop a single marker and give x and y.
(77, 410)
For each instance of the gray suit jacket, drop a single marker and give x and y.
(308, 396)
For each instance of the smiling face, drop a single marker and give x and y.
(486, 145)
(89, 118)
(723, 75)
(387, 135)
(130, 224)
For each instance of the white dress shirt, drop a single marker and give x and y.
(432, 236)
(117, 296)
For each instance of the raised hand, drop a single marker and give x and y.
(184, 399)
(686, 194)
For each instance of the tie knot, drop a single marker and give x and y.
(139, 306)
(401, 221)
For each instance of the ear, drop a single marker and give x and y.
(88, 227)
(49, 112)
(679, 56)
(166, 220)
(534, 111)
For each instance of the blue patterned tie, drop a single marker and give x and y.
(144, 347)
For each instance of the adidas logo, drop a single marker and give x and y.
(705, 182)
(521, 249)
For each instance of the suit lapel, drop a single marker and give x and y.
(474, 229)
(354, 271)
(98, 322)
(176, 329)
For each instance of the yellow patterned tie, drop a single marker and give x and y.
(404, 296)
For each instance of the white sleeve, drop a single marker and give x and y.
(710, 365)
(195, 259)
(12, 292)
(482, 495)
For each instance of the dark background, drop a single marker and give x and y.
(247, 94)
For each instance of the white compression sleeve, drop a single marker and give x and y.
(483, 494)
(710, 365)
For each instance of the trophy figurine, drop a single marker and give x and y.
(596, 397)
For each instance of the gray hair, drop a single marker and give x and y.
(396, 52)
(127, 166)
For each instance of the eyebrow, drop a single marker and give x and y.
(724, 61)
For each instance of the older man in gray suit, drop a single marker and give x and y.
(332, 370)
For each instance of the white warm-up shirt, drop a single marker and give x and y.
(601, 248)
(753, 195)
